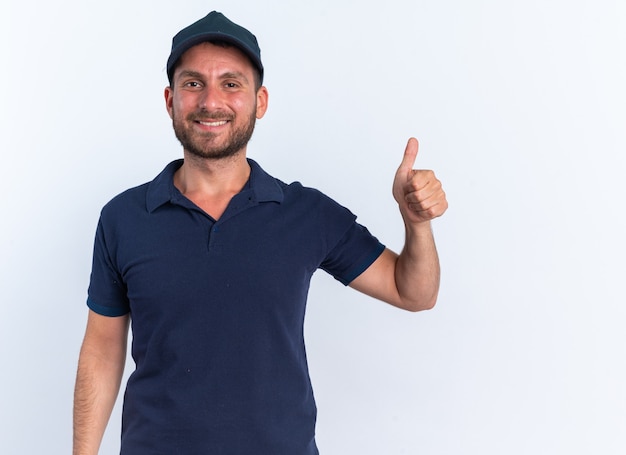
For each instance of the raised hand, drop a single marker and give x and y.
(418, 192)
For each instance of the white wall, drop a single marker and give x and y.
(520, 107)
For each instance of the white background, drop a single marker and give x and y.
(520, 108)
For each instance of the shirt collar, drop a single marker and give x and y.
(161, 190)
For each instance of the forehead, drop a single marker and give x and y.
(208, 56)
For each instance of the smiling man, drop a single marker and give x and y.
(211, 263)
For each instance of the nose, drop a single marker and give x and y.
(211, 99)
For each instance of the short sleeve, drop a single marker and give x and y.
(107, 292)
(354, 253)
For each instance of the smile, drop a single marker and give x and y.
(217, 123)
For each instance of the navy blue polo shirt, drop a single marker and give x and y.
(217, 311)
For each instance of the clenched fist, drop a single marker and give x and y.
(418, 192)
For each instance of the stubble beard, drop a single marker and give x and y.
(202, 145)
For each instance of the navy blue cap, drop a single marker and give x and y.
(214, 26)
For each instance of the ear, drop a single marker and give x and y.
(262, 97)
(169, 100)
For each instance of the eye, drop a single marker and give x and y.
(231, 85)
(192, 84)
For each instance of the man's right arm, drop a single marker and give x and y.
(100, 369)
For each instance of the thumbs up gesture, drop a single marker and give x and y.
(418, 192)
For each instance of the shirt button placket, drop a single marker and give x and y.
(213, 232)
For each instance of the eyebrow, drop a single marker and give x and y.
(190, 73)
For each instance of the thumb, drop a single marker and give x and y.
(408, 160)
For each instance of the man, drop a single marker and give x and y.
(211, 261)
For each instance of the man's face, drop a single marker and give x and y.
(213, 101)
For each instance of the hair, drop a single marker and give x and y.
(225, 45)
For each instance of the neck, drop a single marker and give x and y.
(210, 184)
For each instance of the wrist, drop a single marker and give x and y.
(418, 228)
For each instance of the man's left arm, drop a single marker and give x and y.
(410, 280)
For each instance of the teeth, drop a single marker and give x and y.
(220, 123)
